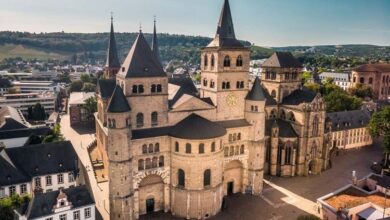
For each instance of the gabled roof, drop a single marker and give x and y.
(285, 128)
(141, 62)
(118, 102)
(44, 159)
(155, 49)
(256, 93)
(348, 119)
(24, 132)
(43, 203)
(186, 86)
(11, 119)
(112, 53)
(9, 174)
(197, 127)
(299, 96)
(225, 36)
(282, 60)
(377, 67)
(106, 87)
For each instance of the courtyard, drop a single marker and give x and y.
(287, 198)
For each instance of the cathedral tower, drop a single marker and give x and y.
(112, 63)
(255, 115)
(120, 157)
(225, 68)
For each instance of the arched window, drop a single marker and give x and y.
(234, 137)
(212, 60)
(144, 149)
(140, 89)
(113, 125)
(140, 120)
(135, 89)
(128, 122)
(230, 137)
(141, 164)
(148, 163)
(227, 85)
(231, 150)
(176, 146)
(223, 85)
(157, 147)
(204, 82)
(213, 147)
(188, 148)
(212, 84)
(273, 75)
(242, 84)
(201, 148)
(288, 153)
(273, 94)
(154, 117)
(273, 113)
(181, 178)
(161, 161)
(291, 116)
(153, 88)
(109, 123)
(226, 61)
(150, 148)
(242, 149)
(207, 178)
(159, 88)
(206, 60)
(282, 114)
(239, 136)
(237, 150)
(237, 84)
(226, 151)
(154, 162)
(315, 126)
(239, 61)
(313, 150)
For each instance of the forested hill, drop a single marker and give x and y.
(92, 46)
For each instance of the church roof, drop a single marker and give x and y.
(106, 87)
(197, 127)
(186, 86)
(285, 128)
(225, 36)
(155, 48)
(141, 62)
(256, 93)
(118, 102)
(282, 60)
(9, 174)
(377, 67)
(112, 53)
(299, 96)
(348, 119)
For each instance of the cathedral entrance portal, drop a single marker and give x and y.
(230, 188)
(150, 205)
(311, 169)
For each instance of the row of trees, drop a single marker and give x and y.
(9, 204)
(85, 84)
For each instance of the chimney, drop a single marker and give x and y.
(354, 178)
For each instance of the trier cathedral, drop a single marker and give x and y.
(168, 146)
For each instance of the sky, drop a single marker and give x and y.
(263, 22)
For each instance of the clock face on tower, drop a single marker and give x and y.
(231, 100)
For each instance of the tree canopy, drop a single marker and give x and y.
(55, 135)
(8, 204)
(380, 126)
(36, 112)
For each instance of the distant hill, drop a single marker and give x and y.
(93, 46)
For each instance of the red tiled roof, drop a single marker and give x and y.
(378, 67)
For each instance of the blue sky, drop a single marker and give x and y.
(264, 22)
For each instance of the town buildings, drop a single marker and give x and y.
(77, 113)
(363, 199)
(348, 129)
(36, 86)
(167, 146)
(22, 101)
(377, 76)
(340, 79)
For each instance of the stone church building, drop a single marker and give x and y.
(168, 146)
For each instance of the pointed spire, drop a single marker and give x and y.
(118, 102)
(112, 53)
(155, 49)
(256, 93)
(141, 62)
(225, 36)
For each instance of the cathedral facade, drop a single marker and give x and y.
(168, 146)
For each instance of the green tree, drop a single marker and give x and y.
(89, 87)
(76, 86)
(361, 91)
(55, 135)
(90, 106)
(340, 101)
(36, 112)
(306, 76)
(85, 78)
(308, 217)
(379, 126)
(8, 204)
(313, 86)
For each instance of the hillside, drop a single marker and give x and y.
(92, 47)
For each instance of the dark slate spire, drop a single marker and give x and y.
(141, 62)
(225, 36)
(118, 102)
(256, 93)
(112, 54)
(155, 49)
